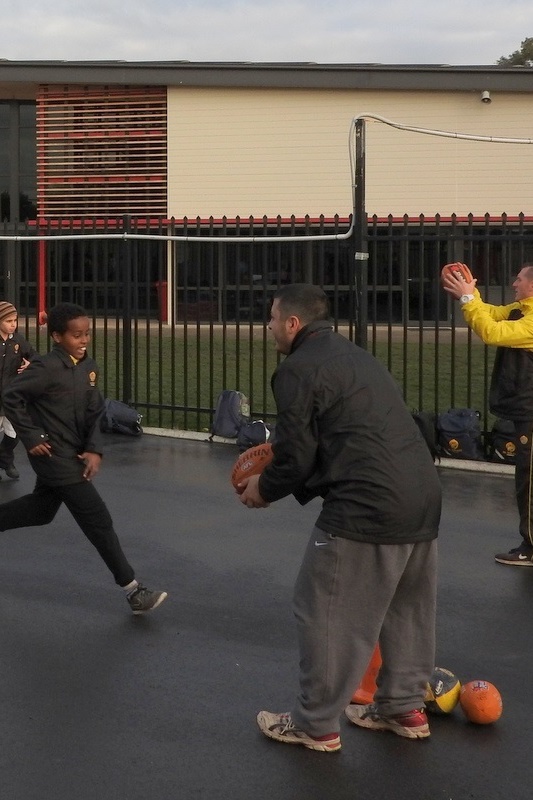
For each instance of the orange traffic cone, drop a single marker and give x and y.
(365, 693)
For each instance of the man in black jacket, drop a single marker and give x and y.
(368, 574)
(55, 407)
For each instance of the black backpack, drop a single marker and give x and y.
(252, 433)
(460, 434)
(119, 417)
(231, 412)
(426, 422)
(502, 442)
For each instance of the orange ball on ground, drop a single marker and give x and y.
(481, 702)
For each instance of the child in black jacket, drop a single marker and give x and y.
(15, 355)
(55, 407)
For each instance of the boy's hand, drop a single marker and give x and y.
(43, 449)
(92, 463)
(25, 363)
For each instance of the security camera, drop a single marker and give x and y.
(485, 97)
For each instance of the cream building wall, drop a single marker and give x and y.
(242, 152)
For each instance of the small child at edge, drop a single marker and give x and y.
(15, 355)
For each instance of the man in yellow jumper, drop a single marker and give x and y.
(510, 328)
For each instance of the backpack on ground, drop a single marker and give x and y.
(119, 417)
(252, 433)
(460, 434)
(232, 411)
(502, 442)
(426, 422)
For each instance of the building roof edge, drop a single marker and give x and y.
(406, 77)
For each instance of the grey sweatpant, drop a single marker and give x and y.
(348, 595)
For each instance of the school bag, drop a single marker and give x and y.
(459, 432)
(232, 410)
(254, 432)
(119, 417)
(426, 422)
(502, 442)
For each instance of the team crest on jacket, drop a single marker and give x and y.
(92, 378)
(16, 347)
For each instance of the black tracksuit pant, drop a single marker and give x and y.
(524, 478)
(87, 508)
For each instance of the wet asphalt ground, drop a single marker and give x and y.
(96, 704)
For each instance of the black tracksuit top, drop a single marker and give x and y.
(343, 432)
(12, 351)
(58, 401)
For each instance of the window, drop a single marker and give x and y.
(18, 187)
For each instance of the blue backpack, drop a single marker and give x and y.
(232, 411)
(119, 417)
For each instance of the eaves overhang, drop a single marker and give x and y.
(394, 77)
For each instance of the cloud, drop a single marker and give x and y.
(341, 31)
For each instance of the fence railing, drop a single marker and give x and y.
(179, 309)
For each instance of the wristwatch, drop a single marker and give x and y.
(466, 298)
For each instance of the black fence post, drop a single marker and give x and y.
(360, 238)
(126, 315)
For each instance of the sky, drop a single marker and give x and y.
(455, 32)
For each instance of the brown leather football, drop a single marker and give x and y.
(251, 462)
(457, 269)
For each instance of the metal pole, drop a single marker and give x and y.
(127, 316)
(361, 237)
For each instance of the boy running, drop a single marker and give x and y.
(55, 407)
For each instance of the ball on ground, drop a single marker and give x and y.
(481, 702)
(443, 690)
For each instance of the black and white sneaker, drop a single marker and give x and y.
(142, 599)
(521, 556)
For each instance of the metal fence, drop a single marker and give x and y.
(179, 308)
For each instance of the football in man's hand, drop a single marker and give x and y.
(251, 462)
(459, 270)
